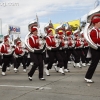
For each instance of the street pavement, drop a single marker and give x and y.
(71, 86)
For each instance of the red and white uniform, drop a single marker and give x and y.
(19, 51)
(6, 49)
(95, 36)
(34, 41)
(78, 43)
(64, 43)
(51, 42)
(71, 42)
(85, 43)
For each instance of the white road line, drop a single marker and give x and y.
(25, 87)
(18, 86)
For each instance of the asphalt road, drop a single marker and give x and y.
(16, 86)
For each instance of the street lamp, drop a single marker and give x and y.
(0, 26)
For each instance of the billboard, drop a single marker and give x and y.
(13, 29)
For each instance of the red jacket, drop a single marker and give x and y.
(70, 41)
(95, 36)
(34, 41)
(50, 40)
(18, 50)
(85, 43)
(78, 43)
(5, 48)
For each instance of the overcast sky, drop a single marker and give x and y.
(21, 12)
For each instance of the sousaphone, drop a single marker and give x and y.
(31, 24)
(89, 26)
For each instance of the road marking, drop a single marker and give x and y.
(25, 87)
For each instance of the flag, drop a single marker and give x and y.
(56, 25)
(74, 24)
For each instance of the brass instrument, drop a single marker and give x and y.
(87, 37)
(89, 26)
(41, 42)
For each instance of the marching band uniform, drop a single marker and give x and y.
(1, 60)
(62, 51)
(42, 41)
(95, 37)
(28, 59)
(36, 56)
(20, 56)
(7, 52)
(70, 50)
(78, 49)
(85, 50)
(52, 46)
(13, 61)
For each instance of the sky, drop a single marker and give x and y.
(22, 12)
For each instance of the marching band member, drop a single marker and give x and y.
(71, 44)
(1, 60)
(85, 50)
(35, 54)
(62, 50)
(7, 52)
(94, 35)
(42, 40)
(53, 45)
(78, 46)
(27, 58)
(20, 55)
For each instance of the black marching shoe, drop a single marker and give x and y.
(43, 79)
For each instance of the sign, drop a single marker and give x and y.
(13, 29)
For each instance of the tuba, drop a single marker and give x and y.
(31, 24)
(41, 41)
(87, 37)
(89, 26)
(27, 44)
(57, 40)
(67, 26)
(48, 26)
